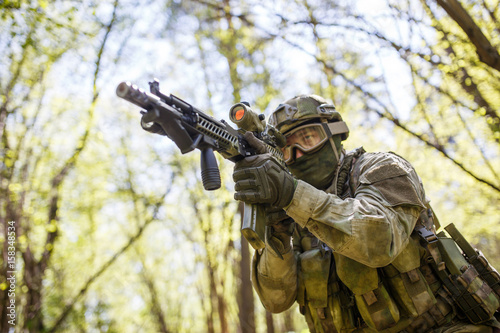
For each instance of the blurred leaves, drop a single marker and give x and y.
(114, 231)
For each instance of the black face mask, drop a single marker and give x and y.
(317, 169)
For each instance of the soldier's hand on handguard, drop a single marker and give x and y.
(261, 179)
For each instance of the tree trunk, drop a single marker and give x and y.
(222, 307)
(269, 322)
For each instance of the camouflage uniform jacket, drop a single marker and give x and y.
(341, 245)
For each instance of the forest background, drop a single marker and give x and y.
(112, 229)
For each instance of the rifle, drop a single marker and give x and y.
(190, 128)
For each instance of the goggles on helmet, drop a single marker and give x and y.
(310, 138)
(307, 138)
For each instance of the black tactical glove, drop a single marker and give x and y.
(261, 179)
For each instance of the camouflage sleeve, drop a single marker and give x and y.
(372, 227)
(275, 279)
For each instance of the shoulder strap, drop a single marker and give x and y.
(343, 190)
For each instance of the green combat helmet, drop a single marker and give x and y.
(304, 108)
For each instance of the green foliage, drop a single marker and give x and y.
(114, 230)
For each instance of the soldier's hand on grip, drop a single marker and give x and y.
(279, 221)
(261, 179)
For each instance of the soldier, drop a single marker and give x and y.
(350, 235)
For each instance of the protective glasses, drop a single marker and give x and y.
(310, 138)
(307, 138)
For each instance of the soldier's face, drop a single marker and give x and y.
(305, 139)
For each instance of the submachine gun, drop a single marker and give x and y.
(190, 128)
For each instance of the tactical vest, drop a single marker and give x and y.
(429, 283)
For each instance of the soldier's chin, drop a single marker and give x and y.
(315, 169)
(319, 183)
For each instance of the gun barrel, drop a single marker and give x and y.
(130, 92)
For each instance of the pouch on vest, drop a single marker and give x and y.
(477, 259)
(408, 285)
(314, 271)
(320, 291)
(313, 285)
(469, 291)
(342, 304)
(374, 303)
